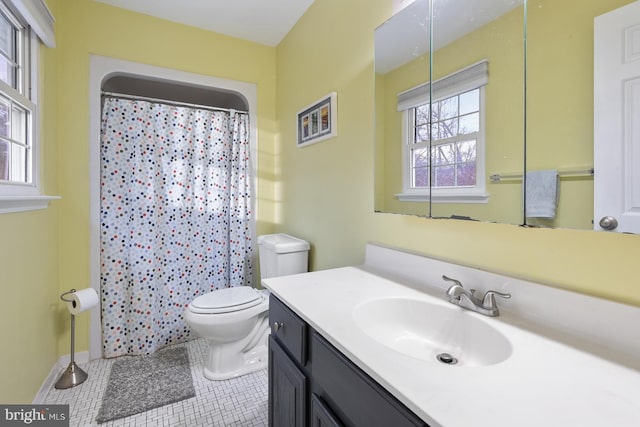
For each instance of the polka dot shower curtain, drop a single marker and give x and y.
(175, 217)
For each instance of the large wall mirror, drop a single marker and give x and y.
(438, 144)
(456, 148)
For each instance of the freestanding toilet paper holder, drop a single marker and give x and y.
(73, 375)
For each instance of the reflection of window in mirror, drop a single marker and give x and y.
(443, 140)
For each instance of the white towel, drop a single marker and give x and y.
(542, 194)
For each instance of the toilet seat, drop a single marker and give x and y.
(226, 300)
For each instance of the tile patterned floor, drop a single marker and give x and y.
(237, 402)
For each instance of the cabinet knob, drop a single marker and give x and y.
(277, 326)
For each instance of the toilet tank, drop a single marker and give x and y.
(281, 255)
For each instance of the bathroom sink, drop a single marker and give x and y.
(431, 332)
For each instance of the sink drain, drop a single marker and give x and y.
(447, 358)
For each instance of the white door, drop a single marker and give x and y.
(617, 120)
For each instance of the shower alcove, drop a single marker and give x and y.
(130, 79)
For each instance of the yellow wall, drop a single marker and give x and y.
(327, 188)
(327, 191)
(29, 300)
(29, 269)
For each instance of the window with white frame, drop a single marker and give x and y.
(22, 24)
(443, 142)
(16, 108)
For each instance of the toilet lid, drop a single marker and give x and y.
(227, 300)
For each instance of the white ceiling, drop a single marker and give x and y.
(261, 21)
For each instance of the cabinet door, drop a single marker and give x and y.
(354, 396)
(321, 416)
(289, 329)
(287, 389)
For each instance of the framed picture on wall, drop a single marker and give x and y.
(318, 121)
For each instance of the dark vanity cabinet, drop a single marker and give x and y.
(288, 375)
(311, 383)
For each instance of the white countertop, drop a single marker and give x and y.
(543, 383)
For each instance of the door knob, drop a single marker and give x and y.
(608, 223)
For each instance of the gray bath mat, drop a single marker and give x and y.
(139, 383)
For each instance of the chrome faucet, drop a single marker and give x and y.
(486, 305)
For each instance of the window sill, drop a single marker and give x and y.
(12, 204)
(444, 198)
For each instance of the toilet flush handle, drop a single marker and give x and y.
(277, 326)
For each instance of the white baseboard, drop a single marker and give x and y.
(54, 374)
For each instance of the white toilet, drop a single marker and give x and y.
(235, 321)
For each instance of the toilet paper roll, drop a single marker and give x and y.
(82, 300)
